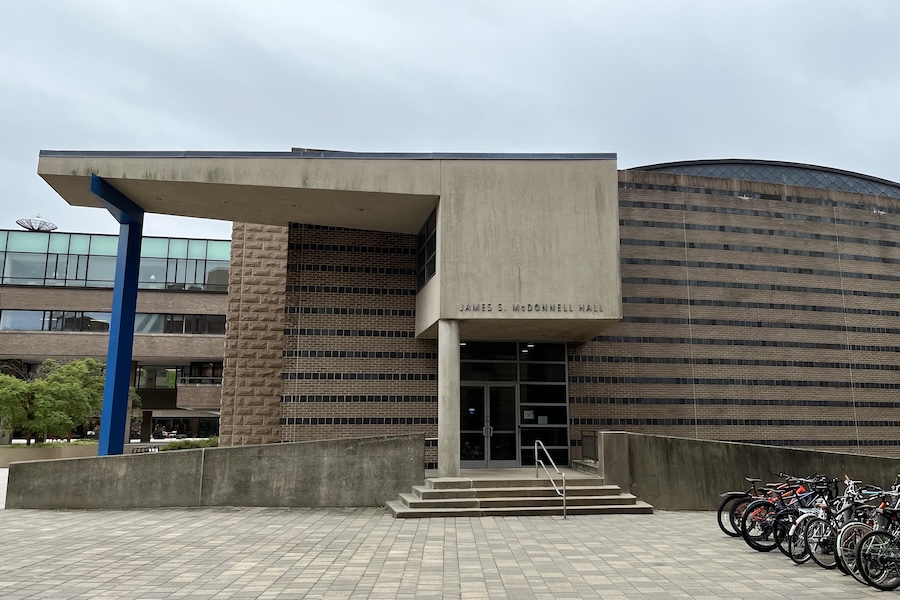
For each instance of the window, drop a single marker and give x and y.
(89, 260)
(98, 322)
(426, 253)
(22, 320)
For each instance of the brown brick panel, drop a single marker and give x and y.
(328, 267)
(199, 396)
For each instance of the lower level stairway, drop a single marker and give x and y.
(513, 492)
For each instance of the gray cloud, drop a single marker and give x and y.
(804, 81)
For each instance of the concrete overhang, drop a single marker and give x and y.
(273, 188)
(376, 191)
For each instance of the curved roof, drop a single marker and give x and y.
(769, 171)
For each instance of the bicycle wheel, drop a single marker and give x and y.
(820, 539)
(799, 553)
(724, 515)
(736, 514)
(784, 520)
(876, 558)
(758, 526)
(847, 540)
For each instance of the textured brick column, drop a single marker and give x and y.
(254, 336)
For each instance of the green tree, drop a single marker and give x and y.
(57, 399)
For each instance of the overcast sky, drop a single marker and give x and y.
(814, 82)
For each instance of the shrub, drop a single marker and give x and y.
(53, 444)
(189, 444)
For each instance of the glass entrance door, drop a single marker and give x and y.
(488, 432)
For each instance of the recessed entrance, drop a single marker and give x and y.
(487, 423)
(512, 393)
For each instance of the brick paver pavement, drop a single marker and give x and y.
(243, 553)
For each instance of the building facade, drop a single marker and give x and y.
(753, 311)
(490, 301)
(56, 301)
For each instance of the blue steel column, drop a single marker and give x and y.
(121, 327)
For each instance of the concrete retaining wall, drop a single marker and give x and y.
(350, 472)
(8, 455)
(680, 473)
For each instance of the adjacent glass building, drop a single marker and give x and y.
(55, 302)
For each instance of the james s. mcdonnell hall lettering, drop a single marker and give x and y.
(500, 307)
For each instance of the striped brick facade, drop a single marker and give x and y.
(752, 312)
(352, 364)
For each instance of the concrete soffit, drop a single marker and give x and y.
(381, 195)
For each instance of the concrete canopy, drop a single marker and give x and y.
(511, 228)
(272, 188)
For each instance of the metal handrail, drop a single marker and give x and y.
(538, 461)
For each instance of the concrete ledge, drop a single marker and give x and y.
(350, 472)
(8, 455)
(679, 473)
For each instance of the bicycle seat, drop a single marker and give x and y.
(752, 480)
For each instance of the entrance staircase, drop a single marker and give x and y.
(513, 492)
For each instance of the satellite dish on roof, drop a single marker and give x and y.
(36, 223)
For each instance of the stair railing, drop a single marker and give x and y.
(540, 462)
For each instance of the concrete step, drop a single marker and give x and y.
(402, 512)
(556, 501)
(412, 501)
(535, 482)
(615, 509)
(443, 483)
(423, 491)
(587, 490)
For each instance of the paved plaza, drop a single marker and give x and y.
(243, 553)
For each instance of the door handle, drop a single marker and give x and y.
(490, 431)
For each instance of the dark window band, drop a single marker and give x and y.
(767, 214)
(358, 354)
(339, 289)
(729, 381)
(342, 310)
(737, 422)
(358, 421)
(685, 360)
(758, 249)
(362, 376)
(730, 402)
(759, 324)
(351, 333)
(698, 264)
(762, 305)
(289, 398)
(351, 248)
(745, 195)
(769, 287)
(751, 343)
(295, 267)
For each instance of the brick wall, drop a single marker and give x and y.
(254, 338)
(95, 299)
(69, 345)
(198, 396)
(352, 366)
(752, 312)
